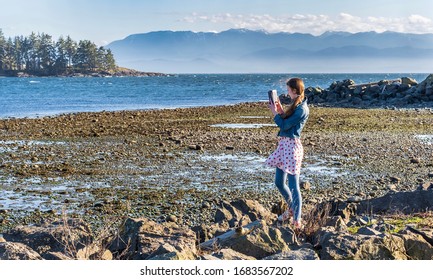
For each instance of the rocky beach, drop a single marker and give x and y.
(185, 176)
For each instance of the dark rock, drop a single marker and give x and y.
(139, 238)
(257, 240)
(401, 202)
(66, 238)
(409, 81)
(17, 251)
(171, 218)
(339, 245)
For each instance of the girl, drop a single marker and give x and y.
(287, 158)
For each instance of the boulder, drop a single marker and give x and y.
(169, 252)
(17, 251)
(417, 248)
(426, 84)
(336, 245)
(408, 81)
(257, 240)
(139, 238)
(67, 237)
(402, 202)
(226, 212)
(242, 212)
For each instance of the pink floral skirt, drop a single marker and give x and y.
(288, 155)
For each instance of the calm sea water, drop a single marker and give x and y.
(33, 97)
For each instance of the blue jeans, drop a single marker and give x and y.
(291, 191)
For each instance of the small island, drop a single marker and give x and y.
(38, 55)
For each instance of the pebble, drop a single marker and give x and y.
(306, 185)
(171, 218)
(205, 205)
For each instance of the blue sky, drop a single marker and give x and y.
(104, 21)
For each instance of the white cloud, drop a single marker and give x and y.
(316, 24)
(419, 19)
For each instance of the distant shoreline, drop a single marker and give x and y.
(120, 72)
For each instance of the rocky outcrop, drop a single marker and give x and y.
(403, 92)
(17, 251)
(57, 240)
(399, 202)
(348, 233)
(145, 239)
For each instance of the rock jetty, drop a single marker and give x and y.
(403, 92)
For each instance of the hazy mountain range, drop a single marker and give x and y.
(246, 51)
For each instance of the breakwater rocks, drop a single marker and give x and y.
(245, 230)
(403, 92)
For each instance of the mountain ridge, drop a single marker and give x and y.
(248, 48)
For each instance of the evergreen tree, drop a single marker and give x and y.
(71, 50)
(61, 63)
(9, 56)
(39, 54)
(19, 53)
(2, 49)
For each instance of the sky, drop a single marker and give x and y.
(104, 21)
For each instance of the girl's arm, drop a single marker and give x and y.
(287, 123)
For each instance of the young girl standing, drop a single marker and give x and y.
(287, 158)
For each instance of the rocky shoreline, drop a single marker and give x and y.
(184, 171)
(401, 93)
(120, 72)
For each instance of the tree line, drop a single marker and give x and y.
(40, 55)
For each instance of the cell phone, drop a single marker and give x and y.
(273, 96)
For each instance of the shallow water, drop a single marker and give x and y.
(241, 125)
(199, 171)
(426, 138)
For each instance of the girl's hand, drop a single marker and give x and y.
(279, 107)
(273, 108)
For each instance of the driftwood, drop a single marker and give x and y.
(230, 235)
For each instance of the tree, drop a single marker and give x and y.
(47, 54)
(86, 58)
(39, 54)
(19, 52)
(9, 63)
(61, 63)
(71, 50)
(2, 49)
(106, 60)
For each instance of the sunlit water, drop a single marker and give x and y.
(32, 97)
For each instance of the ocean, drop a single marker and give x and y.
(37, 97)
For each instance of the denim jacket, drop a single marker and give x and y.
(292, 126)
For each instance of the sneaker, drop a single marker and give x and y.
(285, 216)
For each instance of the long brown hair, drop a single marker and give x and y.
(297, 86)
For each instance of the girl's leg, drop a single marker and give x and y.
(281, 183)
(296, 196)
